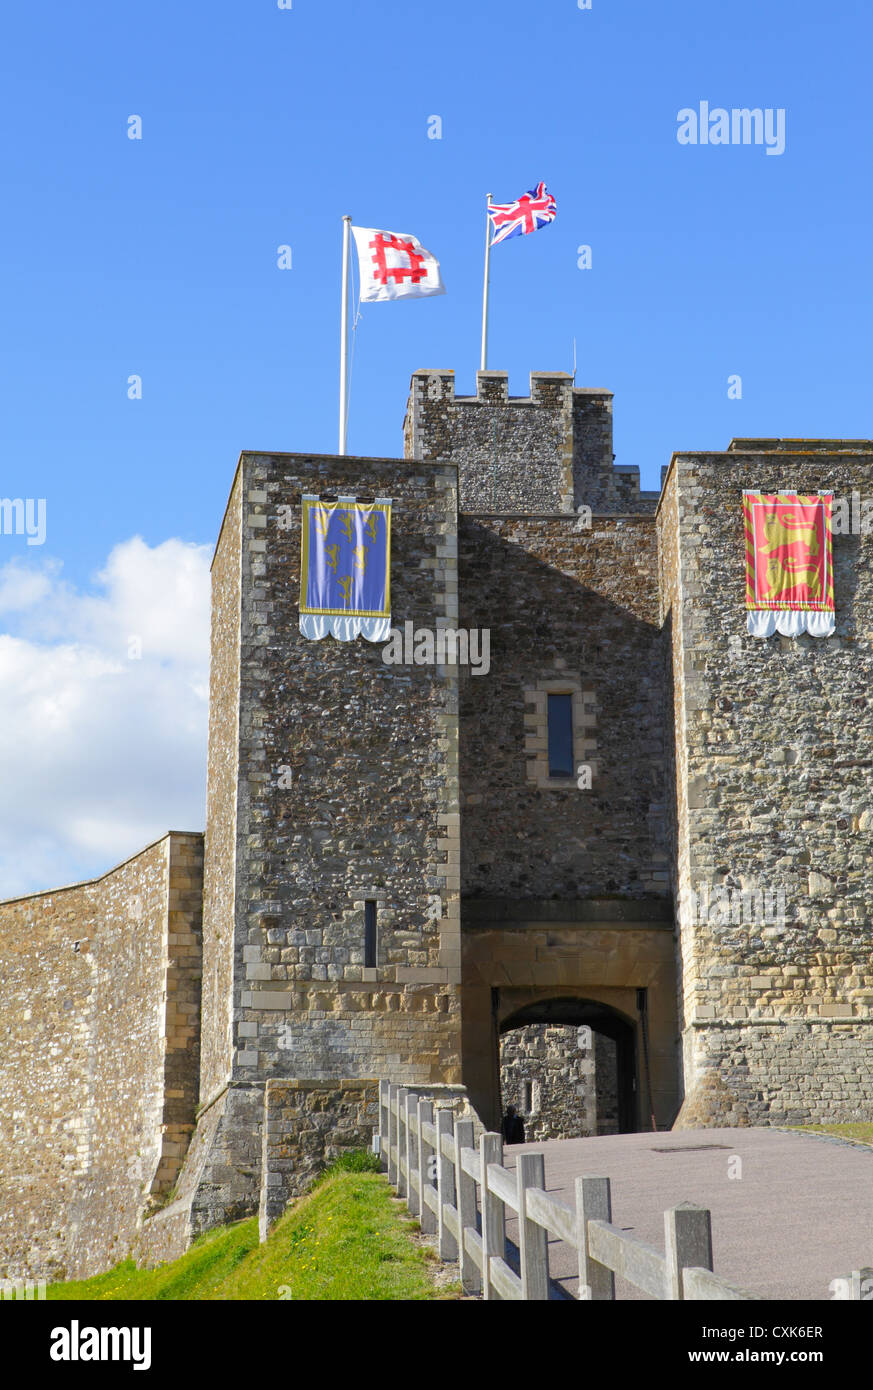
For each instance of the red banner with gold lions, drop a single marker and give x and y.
(789, 563)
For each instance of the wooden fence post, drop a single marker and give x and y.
(401, 1140)
(426, 1165)
(411, 1152)
(465, 1187)
(445, 1186)
(493, 1215)
(392, 1136)
(862, 1285)
(533, 1240)
(384, 1121)
(687, 1244)
(593, 1203)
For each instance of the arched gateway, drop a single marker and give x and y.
(570, 1068)
(603, 964)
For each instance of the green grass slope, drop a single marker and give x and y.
(347, 1239)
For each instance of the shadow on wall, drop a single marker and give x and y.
(558, 601)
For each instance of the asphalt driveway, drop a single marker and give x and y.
(798, 1215)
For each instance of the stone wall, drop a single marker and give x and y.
(772, 757)
(511, 454)
(548, 1075)
(566, 609)
(222, 791)
(373, 800)
(569, 609)
(308, 1124)
(215, 1182)
(98, 1073)
(783, 1072)
(183, 1004)
(547, 452)
(562, 1080)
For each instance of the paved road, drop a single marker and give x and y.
(800, 1215)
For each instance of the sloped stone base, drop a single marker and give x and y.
(711, 1105)
(220, 1178)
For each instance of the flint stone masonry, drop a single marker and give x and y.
(505, 898)
(550, 451)
(577, 611)
(561, 1086)
(308, 1124)
(100, 1058)
(371, 814)
(772, 740)
(372, 750)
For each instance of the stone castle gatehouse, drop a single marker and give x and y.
(402, 865)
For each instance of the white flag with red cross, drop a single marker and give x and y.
(394, 265)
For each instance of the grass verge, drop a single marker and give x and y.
(345, 1240)
(862, 1130)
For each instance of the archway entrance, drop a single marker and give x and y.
(569, 1068)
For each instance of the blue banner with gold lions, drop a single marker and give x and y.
(345, 569)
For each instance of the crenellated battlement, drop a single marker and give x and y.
(550, 451)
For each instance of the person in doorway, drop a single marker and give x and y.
(513, 1126)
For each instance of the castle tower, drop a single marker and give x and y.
(566, 912)
(774, 863)
(332, 822)
(547, 452)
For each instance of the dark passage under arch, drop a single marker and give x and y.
(601, 1019)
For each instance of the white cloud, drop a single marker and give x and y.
(100, 753)
(22, 587)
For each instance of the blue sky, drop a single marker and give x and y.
(262, 127)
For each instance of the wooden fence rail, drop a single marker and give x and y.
(461, 1194)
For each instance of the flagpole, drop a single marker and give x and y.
(344, 341)
(485, 292)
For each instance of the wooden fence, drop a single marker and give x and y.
(461, 1194)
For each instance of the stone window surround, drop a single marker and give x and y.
(359, 897)
(536, 733)
(388, 977)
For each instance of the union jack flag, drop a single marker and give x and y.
(533, 210)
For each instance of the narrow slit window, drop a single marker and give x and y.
(560, 719)
(370, 935)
